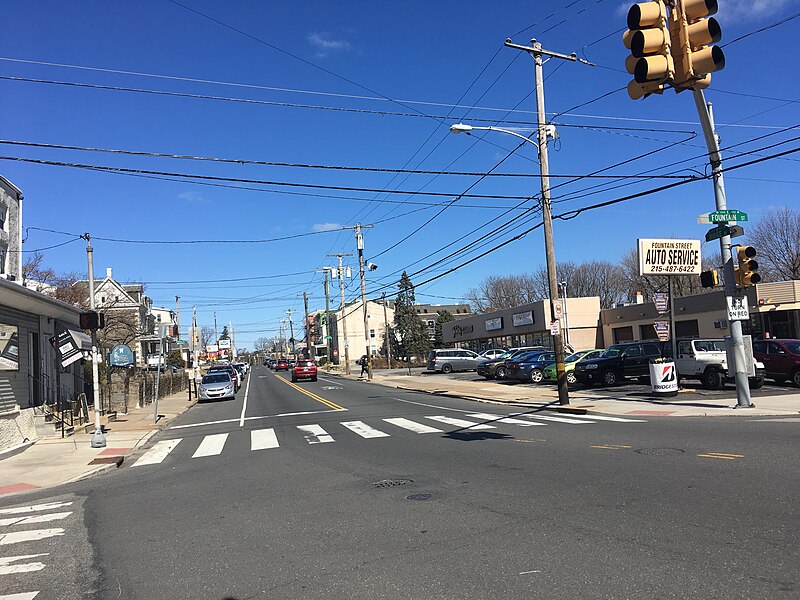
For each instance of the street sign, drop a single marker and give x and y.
(703, 219)
(121, 356)
(557, 309)
(669, 257)
(661, 301)
(736, 230)
(555, 327)
(737, 308)
(718, 232)
(727, 216)
(662, 330)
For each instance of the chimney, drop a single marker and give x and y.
(108, 273)
(639, 298)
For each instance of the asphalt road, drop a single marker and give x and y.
(344, 489)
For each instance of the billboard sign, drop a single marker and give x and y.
(523, 318)
(669, 257)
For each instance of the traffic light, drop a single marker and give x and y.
(746, 271)
(693, 29)
(92, 320)
(709, 279)
(648, 39)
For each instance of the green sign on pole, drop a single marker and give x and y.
(726, 216)
(718, 232)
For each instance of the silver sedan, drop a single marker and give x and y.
(216, 385)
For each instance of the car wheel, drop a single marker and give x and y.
(314, 378)
(712, 379)
(500, 373)
(536, 376)
(446, 369)
(571, 378)
(756, 382)
(796, 377)
(610, 377)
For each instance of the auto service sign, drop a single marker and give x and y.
(669, 257)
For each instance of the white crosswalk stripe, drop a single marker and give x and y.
(262, 439)
(461, 423)
(22, 596)
(569, 420)
(602, 418)
(501, 419)
(33, 508)
(412, 425)
(211, 445)
(29, 536)
(30, 519)
(8, 568)
(315, 434)
(364, 430)
(157, 453)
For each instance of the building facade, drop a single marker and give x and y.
(10, 231)
(429, 314)
(379, 315)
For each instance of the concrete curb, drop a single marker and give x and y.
(17, 449)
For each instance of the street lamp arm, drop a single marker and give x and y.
(463, 128)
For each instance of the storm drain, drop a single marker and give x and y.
(659, 451)
(418, 497)
(389, 483)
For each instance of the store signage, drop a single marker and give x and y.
(661, 300)
(494, 324)
(461, 330)
(669, 257)
(212, 348)
(523, 318)
(662, 330)
(121, 356)
(224, 344)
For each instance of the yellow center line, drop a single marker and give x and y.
(610, 446)
(311, 395)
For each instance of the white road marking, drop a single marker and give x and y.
(413, 426)
(290, 414)
(432, 406)
(6, 568)
(542, 417)
(29, 536)
(261, 439)
(211, 445)
(22, 596)
(615, 419)
(529, 572)
(28, 520)
(501, 419)
(330, 380)
(315, 434)
(244, 404)
(461, 423)
(364, 430)
(157, 453)
(33, 508)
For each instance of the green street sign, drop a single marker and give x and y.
(180, 341)
(726, 216)
(718, 232)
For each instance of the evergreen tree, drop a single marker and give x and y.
(413, 334)
(224, 335)
(445, 316)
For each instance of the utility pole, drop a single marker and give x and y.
(327, 330)
(98, 437)
(291, 333)
(158, 371)
(341, 309)
(308, 336)
(196, 343)
(360, 247)
(547, 218)
(564, 311)
(386, 333)
(216, 335)
(233, 341)
(282, 336)
(737, 340)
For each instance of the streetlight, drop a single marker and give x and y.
(544, 131)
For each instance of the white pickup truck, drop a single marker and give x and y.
(707, 360)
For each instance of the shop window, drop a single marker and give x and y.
(9, 347)
(687, 329)
(623, 334)
(647, 332)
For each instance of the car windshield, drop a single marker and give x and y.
(529, 356)
(576, 357)
(793, 347)
(709, 345)
(612, 352)
(217, 377)
(504, 355)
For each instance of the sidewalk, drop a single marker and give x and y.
(53, 461)
(583, 401)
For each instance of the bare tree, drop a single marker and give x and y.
(682, 285)
(32, 270)
(504, 291)
(776, 237)
(206, 336)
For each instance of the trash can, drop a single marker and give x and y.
(663, 378)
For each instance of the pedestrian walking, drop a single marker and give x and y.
(364, 362)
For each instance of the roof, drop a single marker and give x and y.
(11, 185)
(27, 300)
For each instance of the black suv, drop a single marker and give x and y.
(630, 359)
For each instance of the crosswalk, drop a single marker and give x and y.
(15, 529)
(313, 433)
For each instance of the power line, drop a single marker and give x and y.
(761, 29)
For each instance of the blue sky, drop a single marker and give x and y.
(414, 58)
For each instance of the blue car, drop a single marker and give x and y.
(530, 366)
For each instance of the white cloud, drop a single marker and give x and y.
(622, 10)
(325, 44)
(194, 197)
(326, 226)
(751, 9)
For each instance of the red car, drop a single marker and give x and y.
(282, 365)
(304, 368)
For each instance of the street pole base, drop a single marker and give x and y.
(98, 439)
(751, 405)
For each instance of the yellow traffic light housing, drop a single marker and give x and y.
(648, 39)
(693, 30)
(746, 272)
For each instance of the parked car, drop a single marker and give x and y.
(304, 368)
(239, 369)
(448, 360)
(281, 364)
(491, 353)
(707, 360)
(529, 366)
(237, 380)
(781, 359)
(570, 361)
(271, 363)
(496, 367)
(620, 361)
(216, 385)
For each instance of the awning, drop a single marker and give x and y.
(82, 341)
(71, 345)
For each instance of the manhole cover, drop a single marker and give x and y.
(418, 497)
(387, 483)
(659, 451)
